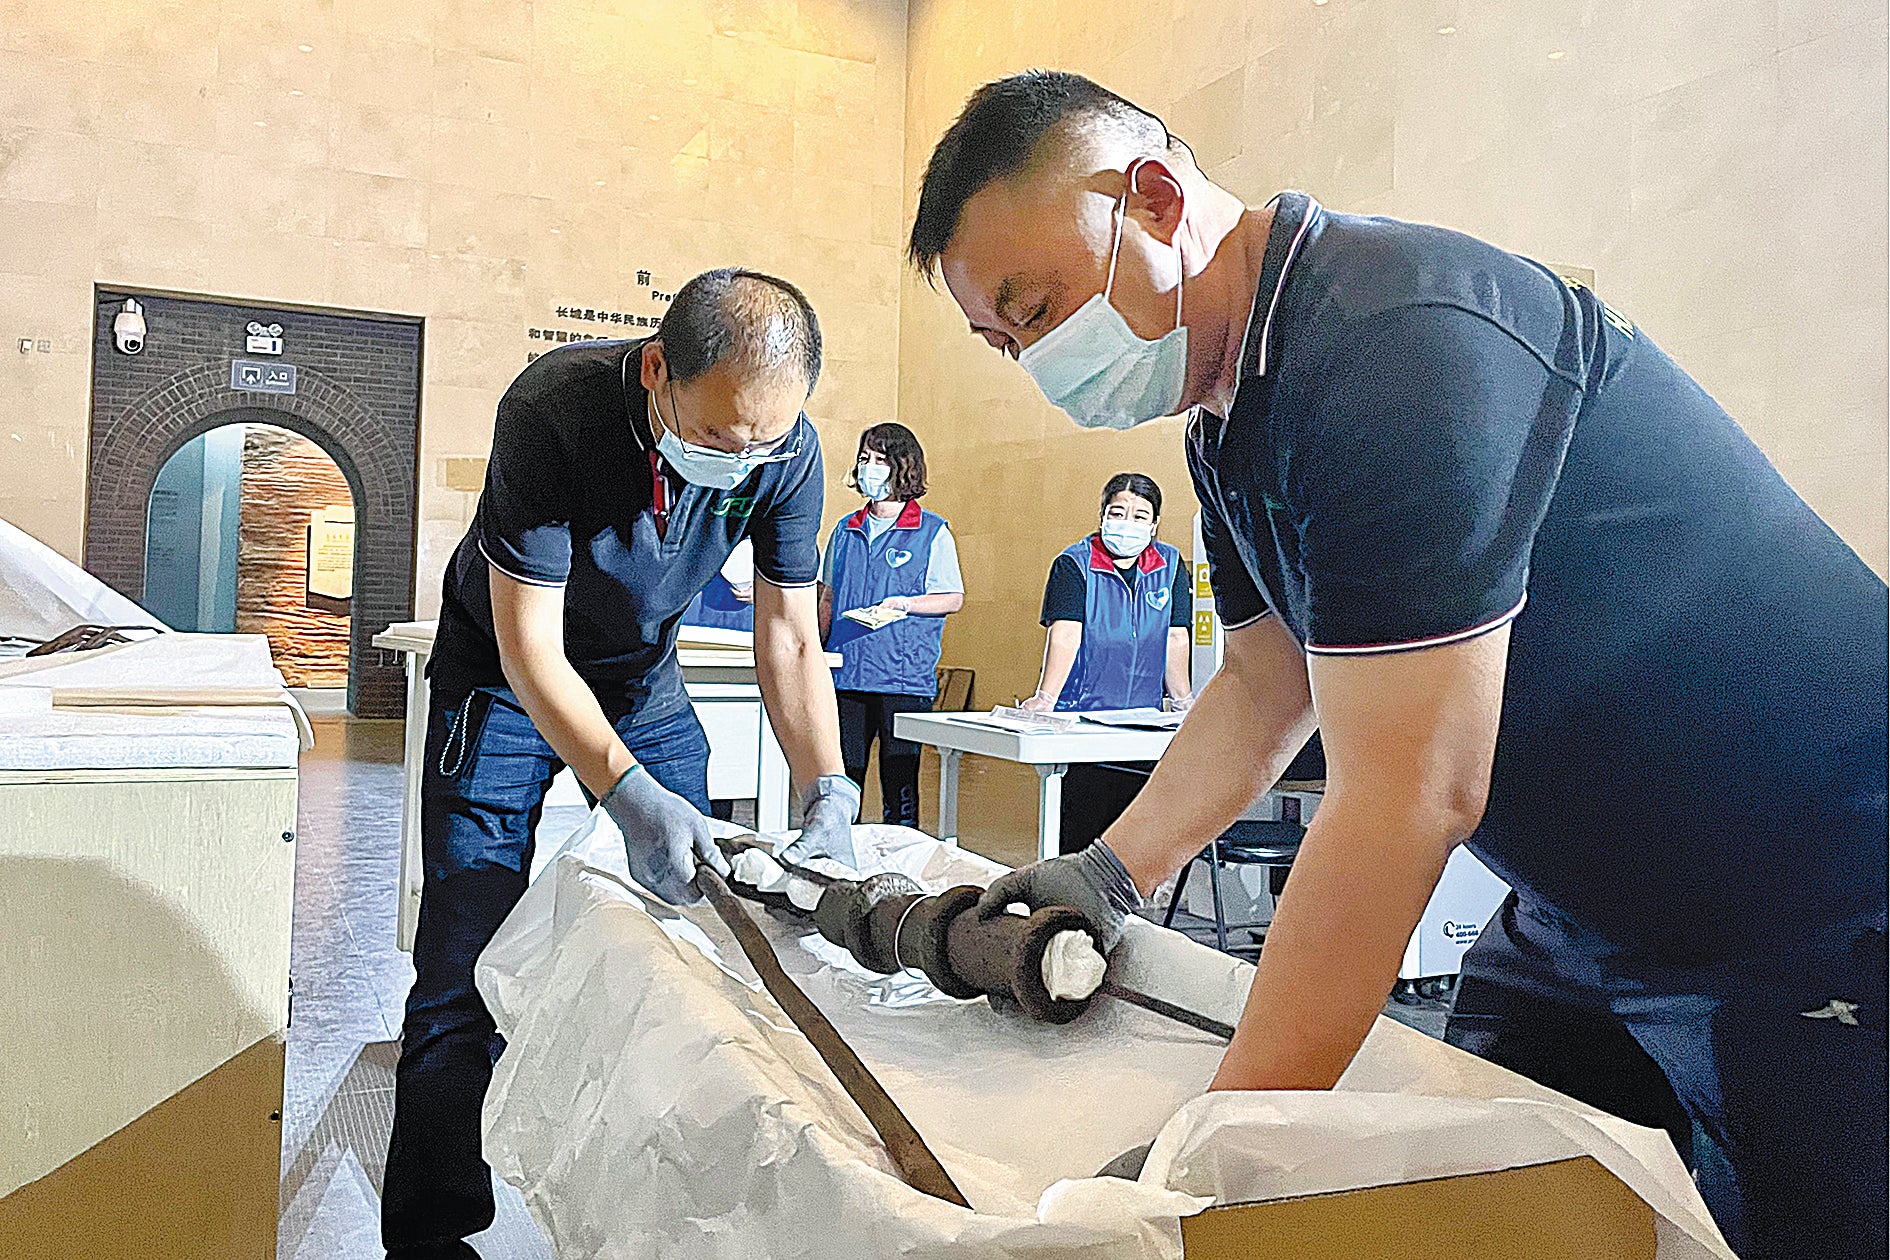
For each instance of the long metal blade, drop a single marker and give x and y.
(917, 1165)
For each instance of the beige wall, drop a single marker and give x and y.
(1719, 164)
(478, 162)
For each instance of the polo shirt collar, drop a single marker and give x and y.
(909, 517)
(1293, 214)
(639, 419)
(1103, 560)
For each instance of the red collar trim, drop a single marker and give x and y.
(909, 517)
(1102, 560)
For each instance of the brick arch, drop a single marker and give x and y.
(130, 444)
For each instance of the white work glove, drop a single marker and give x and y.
(828, 809)
(1038, 703)
(664, 836)
(896, 603)
(1180, 704)
(1094, 883)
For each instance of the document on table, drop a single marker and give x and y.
(1135, 719)
(874, 617)
(1020, 721)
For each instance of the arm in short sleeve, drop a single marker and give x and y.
(523, 522)
(1066, 594)
(786, 528)
(1418, 487)
(1181, 599)
(942, 576)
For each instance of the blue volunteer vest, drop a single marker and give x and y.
(901, 658)
(1125, 628)
(715, 605)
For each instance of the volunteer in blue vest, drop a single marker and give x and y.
(1544, 597)
(623, 473)
(1116, 611)
(728, 601)
(893, 556)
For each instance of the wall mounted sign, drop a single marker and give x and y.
(331, 559)
(264, 338)
(262, 378)
(621, 322)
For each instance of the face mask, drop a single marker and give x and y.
(1123, 539)
(701, 465)
(873, 480)
(1094, 367)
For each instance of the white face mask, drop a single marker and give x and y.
(1095, 368)
(702, 465)
(873, 480)
(1123, 539)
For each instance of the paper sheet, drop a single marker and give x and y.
(652, 1102)
(875, 616)
(1135, 719)
(43, 594)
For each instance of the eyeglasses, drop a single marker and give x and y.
(751, 455)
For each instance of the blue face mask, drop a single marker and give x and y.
(1094, 367)
(702, 465)
(874, 480)
(1123, 539)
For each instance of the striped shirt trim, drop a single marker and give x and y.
(516, 577)
(1385, 649)
(1286, 266)
(786, 586)
(1262, 615)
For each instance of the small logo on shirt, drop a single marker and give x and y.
(738, 506)
(896, 558)
(1843, 1012)
(1157, 598)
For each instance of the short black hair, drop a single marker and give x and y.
(901, 448)
(757, 320)
(1139, 484)
(994, 138)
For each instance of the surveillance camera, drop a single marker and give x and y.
(128, 328)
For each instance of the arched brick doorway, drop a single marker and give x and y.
(147, 406)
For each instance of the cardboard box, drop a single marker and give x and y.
(1573, 1209)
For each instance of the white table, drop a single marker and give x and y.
(745, 760)
(1050, 756)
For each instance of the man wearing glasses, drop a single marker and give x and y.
(623, 473)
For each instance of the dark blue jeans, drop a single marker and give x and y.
(1768, 1069)
(487, 771)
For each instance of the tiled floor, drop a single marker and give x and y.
(351, 983)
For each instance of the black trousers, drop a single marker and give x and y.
(1094, 795)
(866, 716)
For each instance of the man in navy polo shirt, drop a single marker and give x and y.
(623, 473)
(1544, 598)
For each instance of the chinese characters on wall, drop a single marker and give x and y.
(605, 323)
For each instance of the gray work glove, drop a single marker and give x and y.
(828, 808)
(664, 836)
(1094, 883)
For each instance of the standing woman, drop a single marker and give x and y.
(891, 556)
(1118, 609)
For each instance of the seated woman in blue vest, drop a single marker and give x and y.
(1118, 607)
(892, 557)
